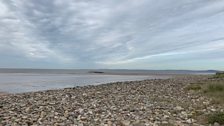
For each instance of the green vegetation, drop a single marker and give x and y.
(217, 117)
(194, 87)
(215, 90)
(212, 88)
(219, 75)
(215, 87)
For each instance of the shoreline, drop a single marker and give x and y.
(34, 83)
(151, 102)
(161, 76)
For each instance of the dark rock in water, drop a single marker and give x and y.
(99, 72)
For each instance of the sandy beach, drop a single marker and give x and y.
(136, 103)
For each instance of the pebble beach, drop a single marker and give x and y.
(155, 102)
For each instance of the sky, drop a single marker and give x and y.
(114, 34)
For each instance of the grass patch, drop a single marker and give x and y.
(194, 87)
(211, 88)
(219, 75)
(215, 89)
(217, 117)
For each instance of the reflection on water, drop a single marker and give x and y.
(27, 82)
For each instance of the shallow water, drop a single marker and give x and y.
(27, 82)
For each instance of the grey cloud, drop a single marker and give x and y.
(98, 33)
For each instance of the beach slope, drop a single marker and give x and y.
(137, 103)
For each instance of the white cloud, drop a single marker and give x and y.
(99, 32)
(18, 35)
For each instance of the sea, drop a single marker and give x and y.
(30, 80)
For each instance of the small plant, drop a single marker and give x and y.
(217, 117)
(194, 87)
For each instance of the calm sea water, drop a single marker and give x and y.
(18, 81)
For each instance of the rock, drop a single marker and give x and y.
(213, 110)
(109, 123)
(56, 113)
(40, 121)
(27, 109)
(66, 114)
(84, 94)
(24, 117)
(80, 124)
(42, 114)
(206, 102)
(216, 124)
(81, 111)
(184, 114)
(137, 123)
(125, 123)
(165, 122)
(137, 103)
(166, 117)
(179, 108)
(83, 118)
(190, 121)
(152, 119)
(51, 103)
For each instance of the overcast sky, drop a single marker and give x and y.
(127, 34)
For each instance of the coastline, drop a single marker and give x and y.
(147, 102)
(19, 83)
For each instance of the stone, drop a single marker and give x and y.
(165, 122)
(27, 109)
(125, 123)
(166, 117)
(216, 124)
(179, 108)
(138, 123)
(83, 118)
(137, 103)
(190, 121)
